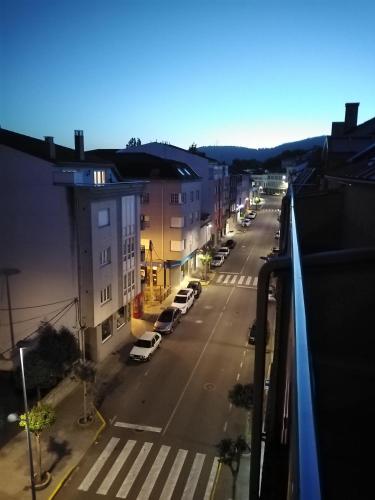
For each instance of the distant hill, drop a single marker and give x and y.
(229, 153)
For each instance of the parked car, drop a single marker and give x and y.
(217, 260)
(224, 251)
(246, 223)
(252, 333)
(184, 299)
(145, 346)
(277, 235)
(167, 320)
(230, 244)
(251, 215)
(196, 286)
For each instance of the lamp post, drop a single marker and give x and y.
(9, 272)
(27, 427)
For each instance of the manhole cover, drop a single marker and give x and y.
(209, 386)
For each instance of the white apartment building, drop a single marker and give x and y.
(70, 253)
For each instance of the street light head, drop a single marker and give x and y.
(13, 417)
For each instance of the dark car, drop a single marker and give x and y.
(230, 244)
(167, 320)
(252, 332)
(196, 286)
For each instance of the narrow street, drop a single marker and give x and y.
(165, 417)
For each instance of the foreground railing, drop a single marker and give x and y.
(307, 469)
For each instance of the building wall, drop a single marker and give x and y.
(159, 212)
(38, 238)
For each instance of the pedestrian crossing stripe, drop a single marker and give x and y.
(189, 489)
(236, 279)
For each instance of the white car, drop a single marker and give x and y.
(272, 293)
(184, 299)
(224, 251)
(277, 235)
(145, 346)
(251, 215)
(217, 260)
(246, 223)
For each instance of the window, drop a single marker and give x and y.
(99, 177)
(120, 317)
(103, 217)
(197, 195)
(191, 195)
(175, 198)
(145, 198)
(183, 197)
(105, 294)
(105, 256)
(177, 221)
(196, 215)
(191, 218)
(177, 246)
(106, 329)
(145, 221)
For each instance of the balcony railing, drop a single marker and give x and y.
(307, 466)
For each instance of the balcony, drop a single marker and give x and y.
(316, 428)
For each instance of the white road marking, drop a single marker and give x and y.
(211, 479)
(248, 280)
(154, 473)
(225, 427)
(220, 278)
(238, 376)
(241, 280)
(233, 280)
(134, 471)
(116, 467)
(255, 282)
(113, 419)
(227, 278)
(230, 407)
(173, 475)
(193, 478)
(98, 465)
(138, 427)
(241, 364)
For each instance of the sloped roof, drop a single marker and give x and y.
(39, 148)
(147, 166)
(359, 168)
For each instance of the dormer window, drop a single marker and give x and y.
(99, 177)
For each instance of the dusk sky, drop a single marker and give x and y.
(216, 72)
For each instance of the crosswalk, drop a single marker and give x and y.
(239, 280)
(167, 472)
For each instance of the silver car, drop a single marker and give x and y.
(167, 320)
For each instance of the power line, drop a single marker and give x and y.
(33, 307)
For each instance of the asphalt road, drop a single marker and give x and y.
(178, 401)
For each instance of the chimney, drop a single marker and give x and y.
(51, 147)
(351, 115)
(79, 145)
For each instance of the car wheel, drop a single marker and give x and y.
(170, 331)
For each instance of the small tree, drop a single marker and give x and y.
(256, 202)
(40, 417)
(230, 453)
(85, 371)
(134, 142)
(242, 396)
(205, 259)
(39, 374)
(59, 348)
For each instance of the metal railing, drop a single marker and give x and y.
(308, 480)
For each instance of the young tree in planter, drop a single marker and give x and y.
(230, 452)
(41, 417)
(242, 396)
(60, 348)
(85, 371)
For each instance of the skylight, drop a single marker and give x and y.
(187, 171)
(181, 172)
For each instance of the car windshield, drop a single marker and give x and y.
(216, 258)
(183, 292)
(165, 316)
(193, 285)
(180, 300)
(143, 343)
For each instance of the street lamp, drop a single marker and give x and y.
(9, 272)
(27, 426)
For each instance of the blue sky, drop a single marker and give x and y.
(229, 72)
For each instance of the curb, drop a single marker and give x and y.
(71, 470)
